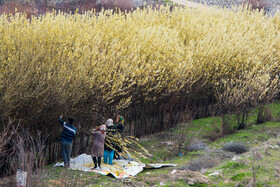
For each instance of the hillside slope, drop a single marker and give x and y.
(199, 160)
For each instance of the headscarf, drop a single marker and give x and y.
(109, 122)
(121, 120)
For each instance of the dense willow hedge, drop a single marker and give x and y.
(143, 64)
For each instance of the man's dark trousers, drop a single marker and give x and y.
(66, 149)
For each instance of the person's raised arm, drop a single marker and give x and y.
(60, 120)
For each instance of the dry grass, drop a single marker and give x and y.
(11, 7)
(256, 4)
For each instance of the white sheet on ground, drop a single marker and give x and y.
(119, 169)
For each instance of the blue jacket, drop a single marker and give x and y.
(68, 132)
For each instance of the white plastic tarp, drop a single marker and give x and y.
(119, 169)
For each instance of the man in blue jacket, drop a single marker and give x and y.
(66, 138)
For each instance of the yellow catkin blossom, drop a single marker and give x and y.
(114, 59)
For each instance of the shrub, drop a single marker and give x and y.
(182, 137)
(197, 145)
(236, 147)
(201, 163)
(240, 94)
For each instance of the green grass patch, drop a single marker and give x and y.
(233, 165)
(240, 176)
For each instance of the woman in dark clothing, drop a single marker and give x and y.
(98, 146)
(120, 129)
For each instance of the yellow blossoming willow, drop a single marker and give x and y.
(106, 61)
(129, 146)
